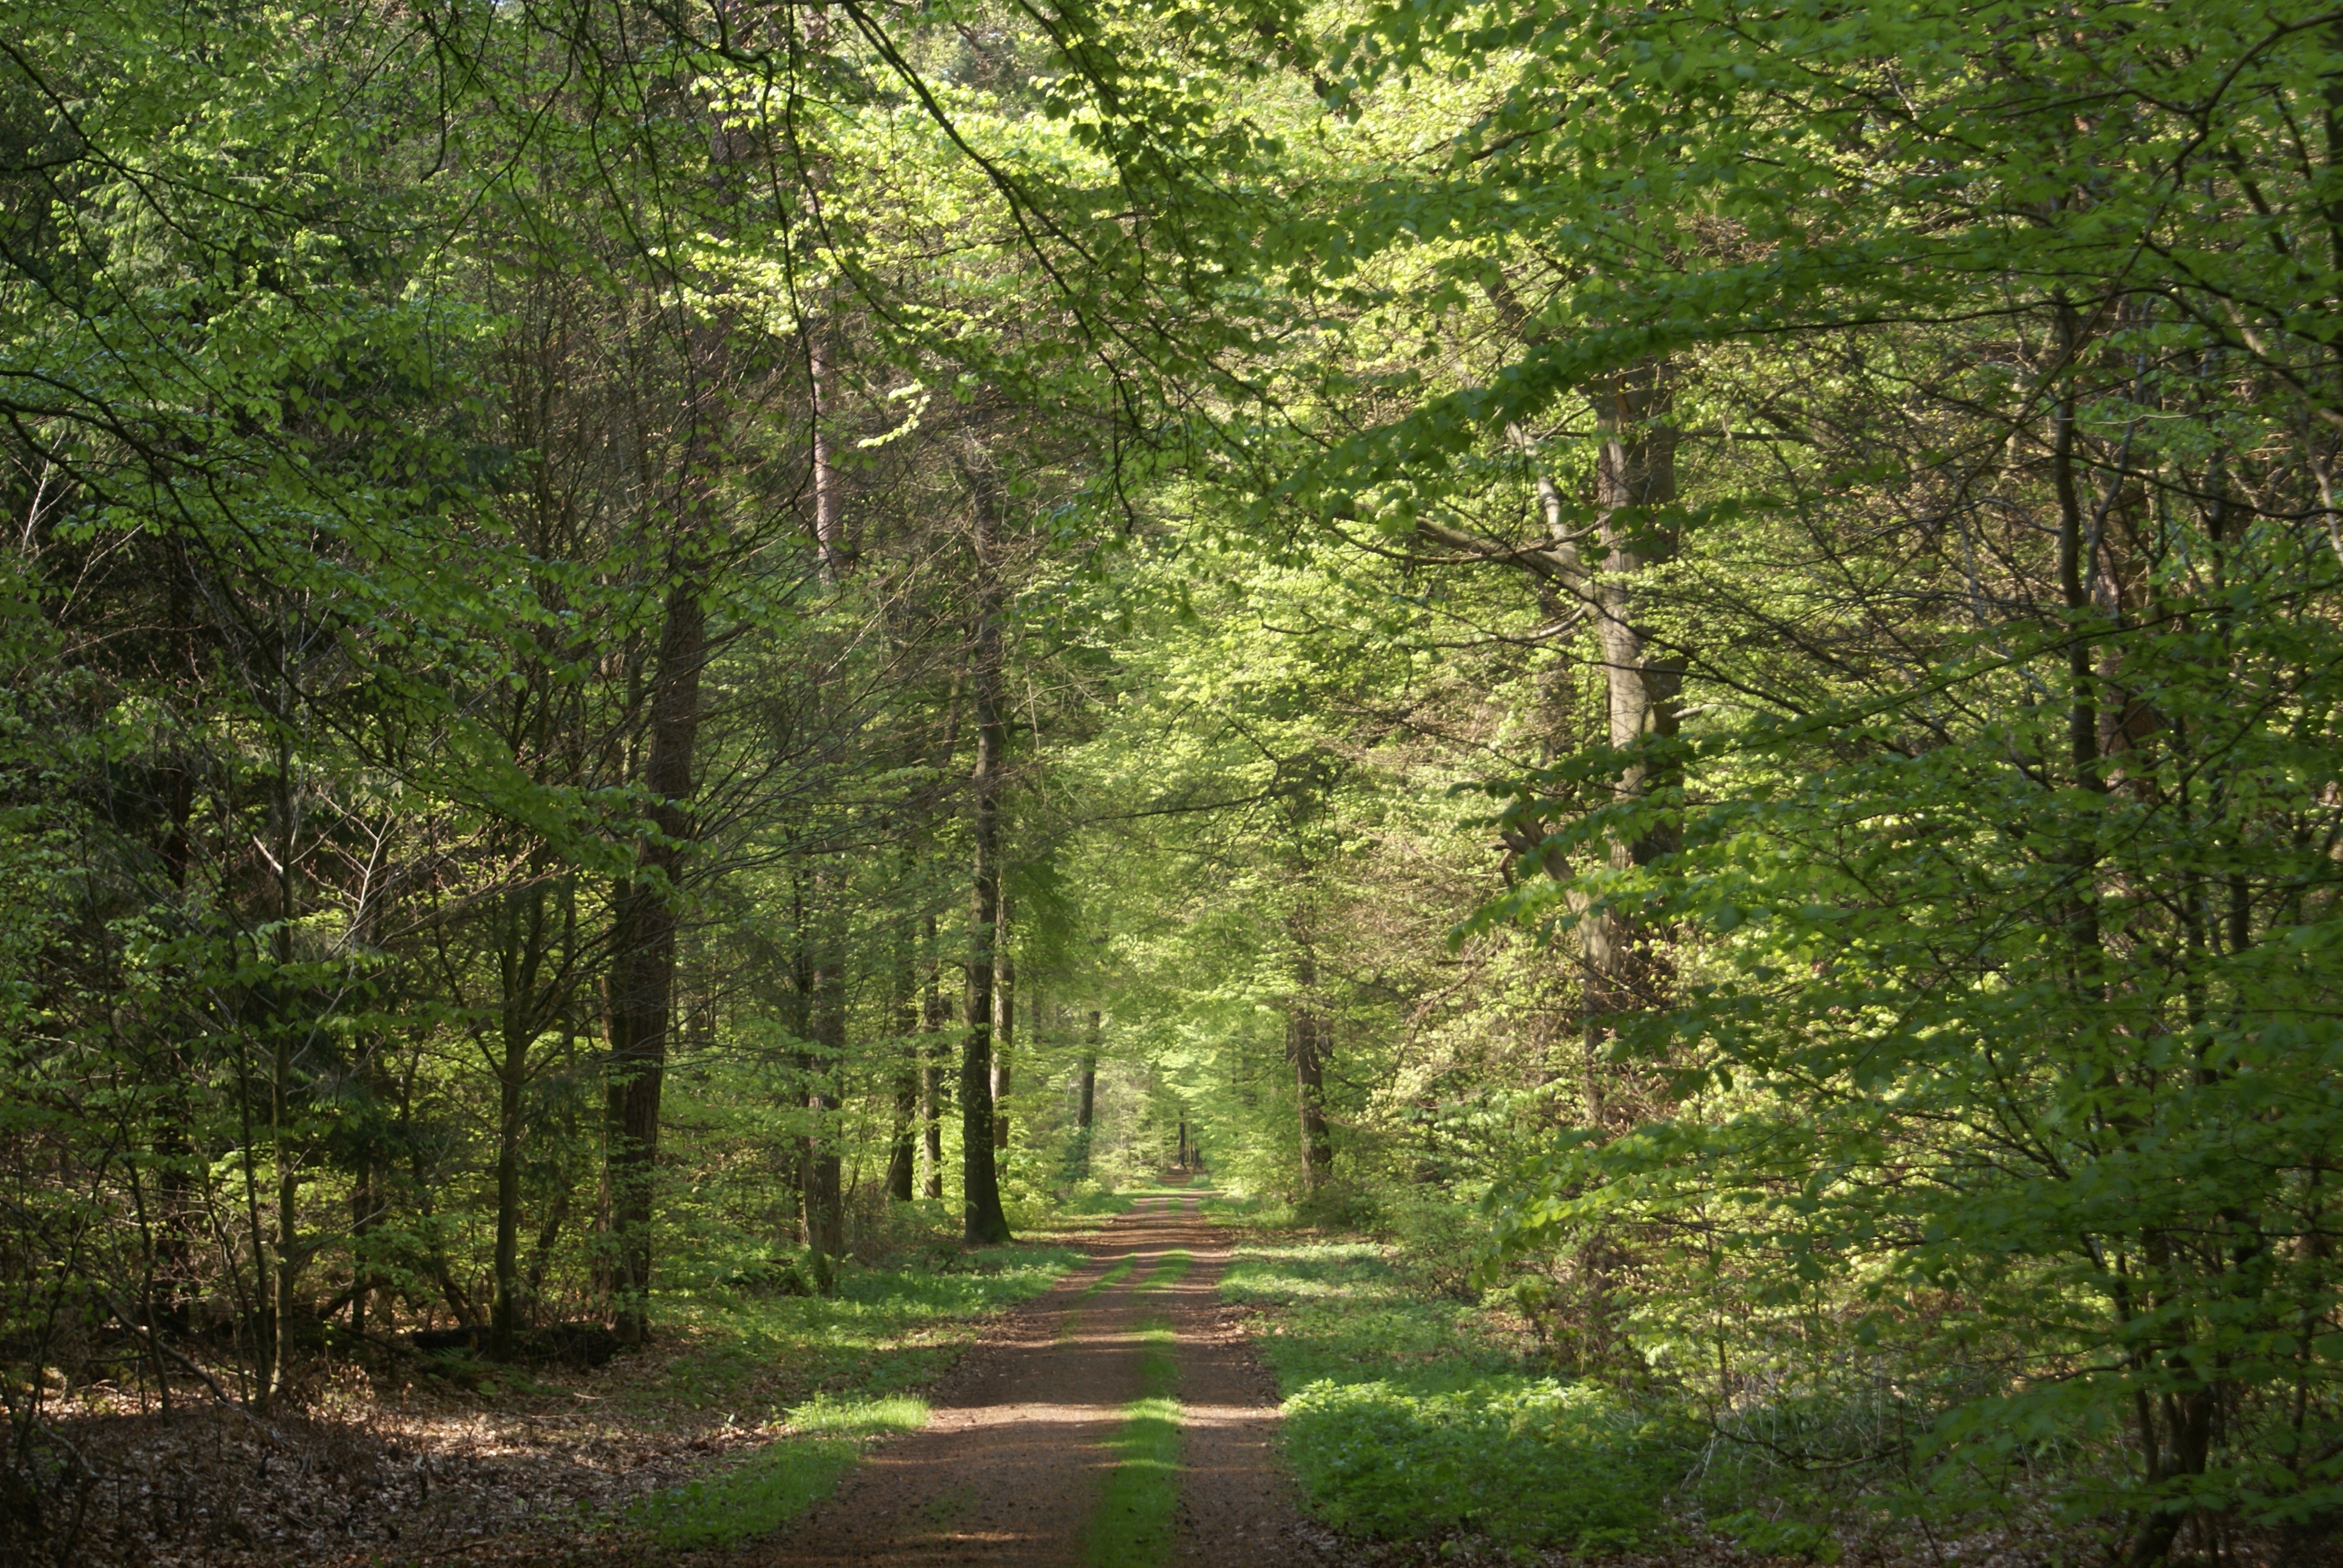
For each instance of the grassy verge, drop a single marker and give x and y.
(781, 1479)
(1409, 1416)
(822, 1375)
(887, 1331)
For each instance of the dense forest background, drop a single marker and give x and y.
(1688, 654)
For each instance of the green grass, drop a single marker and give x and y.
(1131, 1526)
(1099, 1202)
(887, 1331)
(1408, 1418)
(1120, 1271)
(1170, 1270)
(830, 1372)
(781, 1480)
(1111, 1278)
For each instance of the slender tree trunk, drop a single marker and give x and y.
(642, 965)
(290, 1254)
(903, 1142)
(1086, 1101)
(829, 531)
(523, 942)
(1004, 1023)
(1308, 1043)
(505, 1317)
(825, 1201)
(979, 1181)
(931, 1064)
(362, 1221)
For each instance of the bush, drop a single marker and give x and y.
(1341, 1206)
(1440, 1242)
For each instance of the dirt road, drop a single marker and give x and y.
(1018, 1465)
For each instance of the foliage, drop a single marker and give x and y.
(1711, 629)
(1407, 1417)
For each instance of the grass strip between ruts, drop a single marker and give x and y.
(1111, 1278)
(1170, 1270)
(1106, 1282)
(1132, 1527)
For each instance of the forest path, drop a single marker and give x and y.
(1019, 1462)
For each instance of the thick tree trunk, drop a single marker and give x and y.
(1635, 476)
(903, 1140)
(642, 965)
(979, 1181)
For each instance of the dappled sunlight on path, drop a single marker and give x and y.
(1019, 1452)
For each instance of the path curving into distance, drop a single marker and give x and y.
(1118, 1421)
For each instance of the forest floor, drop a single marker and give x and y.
(402, 1459)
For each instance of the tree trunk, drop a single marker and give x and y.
(829, 532)
(1634, 474)
(1004, 1023)
(825, 1201)
(903, 1143)
(932, 1065)
(979, 1181)
(1308, 1043)
(523, 944)
(504, 1316)
(1086, 1107)
(642, 965)
(362, 1222)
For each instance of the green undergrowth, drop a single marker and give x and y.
(783, 1479)
(886, 1331)
(1091, 1199)
(825, 1373)
(1408, 1416)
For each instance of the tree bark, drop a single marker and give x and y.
(524, 949)
(643, 966)
(931, 1064)
(1307, 1042)
(825, 1199)
(979, 1181)
(1635, 474)
(829, 532)
(902, 1141)
(1085, 1107)
(1004, 1023)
